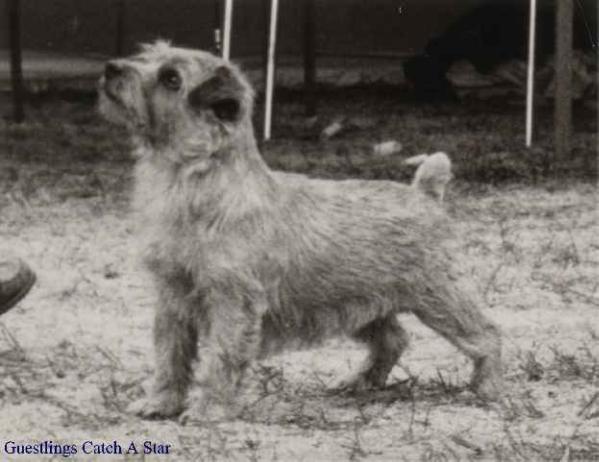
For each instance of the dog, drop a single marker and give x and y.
(253, 260)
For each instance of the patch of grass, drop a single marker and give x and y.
(484, 139)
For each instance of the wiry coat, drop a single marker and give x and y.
(256, 260)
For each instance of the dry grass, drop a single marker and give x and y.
(78, 349)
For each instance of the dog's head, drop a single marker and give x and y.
(186, 102)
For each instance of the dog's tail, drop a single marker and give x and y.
(433, 173)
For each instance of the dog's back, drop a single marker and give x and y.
(431, 177)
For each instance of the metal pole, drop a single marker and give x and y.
(531, 71)
(270, 68)
(227, 28)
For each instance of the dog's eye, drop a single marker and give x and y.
(170, 78)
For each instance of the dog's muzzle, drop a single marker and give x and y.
(112, 81)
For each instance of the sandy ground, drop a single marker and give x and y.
(78, 349)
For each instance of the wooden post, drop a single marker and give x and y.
(218, 24)
(309, 51)
(119, 46)
(265, 36)
(563, 72)
(16, 69)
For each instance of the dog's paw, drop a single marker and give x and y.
(358, 383)
(159, 406)
(195, 413)
(487, 390)
(206, 407)
(486, 384)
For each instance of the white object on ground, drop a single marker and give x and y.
(331, 130)
(387, 148)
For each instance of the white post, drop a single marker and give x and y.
(228, 20)
(531, 70)
(270, 68)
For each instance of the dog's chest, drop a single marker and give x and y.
(160, 215)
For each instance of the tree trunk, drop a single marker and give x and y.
(16, 69)
(120, 28)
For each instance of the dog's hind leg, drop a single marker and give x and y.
(386, 340)
(455, 316)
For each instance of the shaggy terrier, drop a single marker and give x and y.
(253, 260)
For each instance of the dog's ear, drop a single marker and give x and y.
(222, 94)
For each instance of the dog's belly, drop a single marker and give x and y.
(295, 328)
(304, 314)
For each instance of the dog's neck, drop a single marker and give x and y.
(233, 180)
(240, 177)
(243, 154)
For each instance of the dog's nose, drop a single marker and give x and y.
(112, 70)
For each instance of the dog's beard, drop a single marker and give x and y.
(110, 110)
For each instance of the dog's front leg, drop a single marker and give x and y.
(175, 344)
(236, 321)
